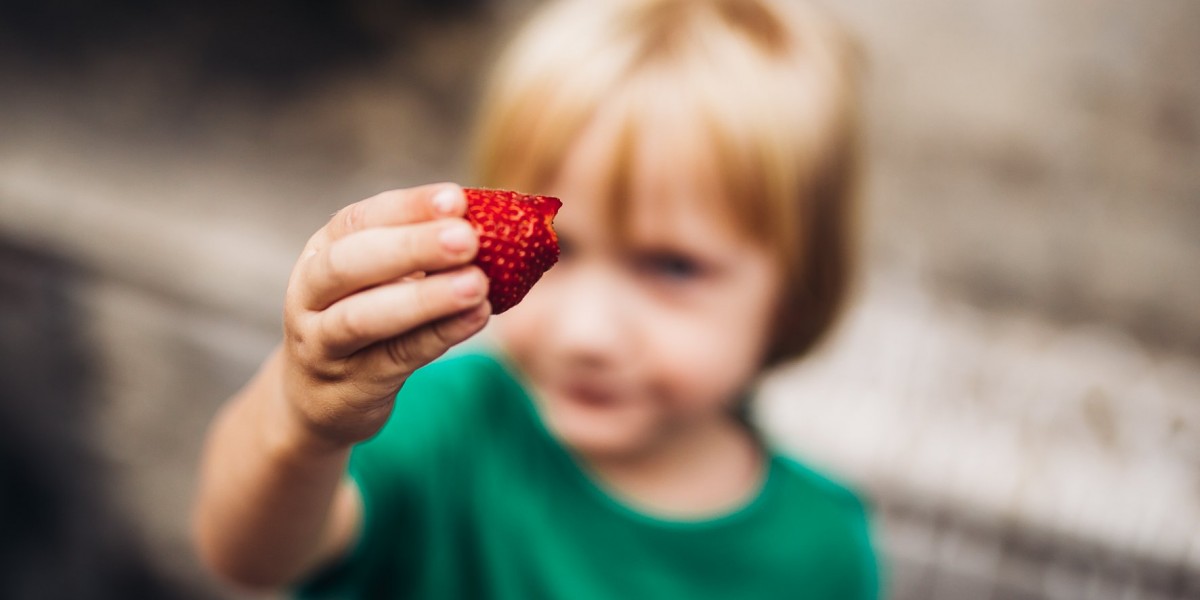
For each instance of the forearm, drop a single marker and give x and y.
(271, 503)
(358, 320)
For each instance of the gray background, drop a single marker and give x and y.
(1017, 388)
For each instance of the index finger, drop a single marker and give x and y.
(397, 207)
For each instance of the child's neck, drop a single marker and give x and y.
(699, 472)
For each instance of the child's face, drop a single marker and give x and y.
(628, 343)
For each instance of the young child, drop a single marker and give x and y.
(705, 152)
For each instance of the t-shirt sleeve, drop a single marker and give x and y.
(870, 582)
(853, 561)
(861, 561)
(413, 466)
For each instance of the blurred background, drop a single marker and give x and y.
(1017, 388)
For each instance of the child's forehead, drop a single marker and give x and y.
(645, 174)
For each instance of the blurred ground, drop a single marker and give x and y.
(1018, 387)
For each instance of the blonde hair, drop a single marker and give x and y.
(771, 83)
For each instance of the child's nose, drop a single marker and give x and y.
(591, 319)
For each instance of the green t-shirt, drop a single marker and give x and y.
(467, 495)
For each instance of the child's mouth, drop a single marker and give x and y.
(589, 395)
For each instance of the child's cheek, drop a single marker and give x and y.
(712, 357)
(519, 330)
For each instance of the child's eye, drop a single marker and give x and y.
(669, 266)
(565, 247)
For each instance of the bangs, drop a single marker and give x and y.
(765, 119)
(754, 97)
(655, 131)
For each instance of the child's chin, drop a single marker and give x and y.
(594, 436)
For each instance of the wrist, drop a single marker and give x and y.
(288, 434)
(289, 440)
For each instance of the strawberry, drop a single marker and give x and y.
(517, 243)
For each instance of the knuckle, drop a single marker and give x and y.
(410, 352)
(321, 369)
(335, 268)
(438, 336)
(295, 326)
(350, 325)
(386, 199)
(417, 243)
(400, 352)
(307, 341)
(425, 301)
(307, 354)
(315, 242)
(394, 195)
(353, 216)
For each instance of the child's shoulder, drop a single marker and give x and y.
(838, 517)
(820, 488)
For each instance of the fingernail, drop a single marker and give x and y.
(446, 200)
(467, 285)
(456, 237)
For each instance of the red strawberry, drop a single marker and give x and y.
(517, 243)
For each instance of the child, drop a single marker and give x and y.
(705, 153)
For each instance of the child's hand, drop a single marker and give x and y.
(382, 289)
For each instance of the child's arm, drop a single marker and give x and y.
(359, 317)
